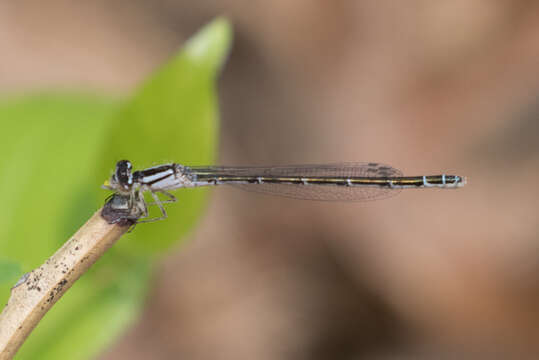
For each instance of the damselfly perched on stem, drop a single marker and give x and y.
(325, 182)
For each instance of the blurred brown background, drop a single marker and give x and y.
(428, 87)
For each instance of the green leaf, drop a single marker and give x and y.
(172, 118)
(49, 155)
(59, 150)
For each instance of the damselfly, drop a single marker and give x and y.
(326, 182)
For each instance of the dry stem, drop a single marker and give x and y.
(39, 289)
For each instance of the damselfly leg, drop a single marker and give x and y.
(158, 202)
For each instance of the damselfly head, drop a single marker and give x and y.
(122, 178)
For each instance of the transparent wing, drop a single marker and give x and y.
(329, 192)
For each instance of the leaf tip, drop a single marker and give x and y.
(211, 44)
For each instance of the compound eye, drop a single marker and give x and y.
(123, 174)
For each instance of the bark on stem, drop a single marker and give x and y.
(38, 290)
